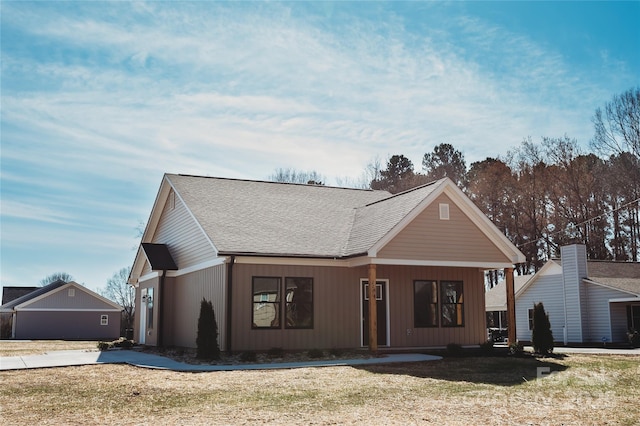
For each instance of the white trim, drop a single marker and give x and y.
(293, 261)
(66, 310)
(65, 287)
(625, 300)
(444, 263)
(149, 276)
(388, 314)
(194, 268)
(443, 209)
(198, 267)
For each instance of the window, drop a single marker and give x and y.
(266, 302)
(72, 292)
(530, 314)
(452, 303)
(299, 302)
(425, 303)
(104, 320)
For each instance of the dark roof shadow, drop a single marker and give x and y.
(497, 370)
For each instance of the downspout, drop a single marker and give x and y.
(161, 309)
(232, 260)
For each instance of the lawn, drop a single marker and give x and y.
(576, 389)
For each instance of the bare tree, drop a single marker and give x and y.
(617, 129)
(121, 292)
(55, 277)
(290, 175)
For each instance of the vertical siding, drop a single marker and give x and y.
(184, 294)
(548, 290)
(574, 269)
(337, 314)
(456, 239)
(336, 309)
(179, 231)
(66, 325)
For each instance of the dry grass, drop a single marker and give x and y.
(34, 347)
(581, 390)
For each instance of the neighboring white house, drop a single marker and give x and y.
(587, 301)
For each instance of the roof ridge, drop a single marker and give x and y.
(415, 188)
(275, 182)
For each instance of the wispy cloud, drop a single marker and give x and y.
(100, 99)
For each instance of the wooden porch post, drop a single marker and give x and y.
(511, 305)
(373, 314)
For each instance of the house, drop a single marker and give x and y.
(63, 310)
(289, 265)
(496, 305)
(586, 301)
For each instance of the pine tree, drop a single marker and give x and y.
(207, 339)
(541, 336)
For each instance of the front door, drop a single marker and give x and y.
(143, 316)
(381, 310)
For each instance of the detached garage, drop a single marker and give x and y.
(66, 311)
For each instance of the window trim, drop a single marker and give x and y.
(282, 304)
(104, 319)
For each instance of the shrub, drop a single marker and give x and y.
(335, 352)
(516, 348)
(454, 349)
(634, 338)
(315, 353)
(486, 348)
(248, 356)
(275, 353)
(541, 336)
(207, 338)
(103, 346)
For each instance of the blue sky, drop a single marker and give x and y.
(99, 99)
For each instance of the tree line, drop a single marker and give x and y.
(548, 194)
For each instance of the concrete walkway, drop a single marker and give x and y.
(146, 360)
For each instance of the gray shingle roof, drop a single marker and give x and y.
(624, 276)
(254, 217)
(32, 295)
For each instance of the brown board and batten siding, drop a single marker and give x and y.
(403, 332)
(337, 314)
(455, 239)
(182, 235)
(184, 294)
